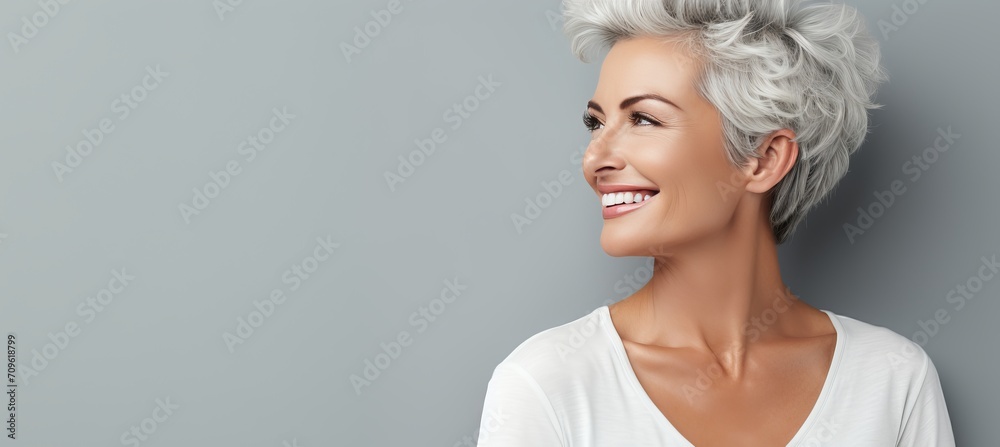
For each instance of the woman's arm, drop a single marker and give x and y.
(517, 413)
(927, 423)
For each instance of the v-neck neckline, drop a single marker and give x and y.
(814, 413)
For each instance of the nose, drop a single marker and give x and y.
(603, 155)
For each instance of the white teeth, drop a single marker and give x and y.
(619, 198)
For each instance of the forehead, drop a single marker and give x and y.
(647, 65)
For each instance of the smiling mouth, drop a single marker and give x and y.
(614, 199)
(621, 203)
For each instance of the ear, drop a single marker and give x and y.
(777, 154)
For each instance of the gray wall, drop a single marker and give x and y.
(390, 250)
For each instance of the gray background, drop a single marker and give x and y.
(323, 176)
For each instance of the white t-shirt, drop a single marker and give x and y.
(573, 386)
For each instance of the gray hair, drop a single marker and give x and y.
(767, 65)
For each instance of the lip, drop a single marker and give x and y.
(611, 212)
(621, 187)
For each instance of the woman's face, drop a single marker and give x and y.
(669, 149)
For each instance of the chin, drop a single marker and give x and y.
(621, 243)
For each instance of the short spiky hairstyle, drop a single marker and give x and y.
(767, 65)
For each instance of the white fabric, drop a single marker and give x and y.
(572, 386)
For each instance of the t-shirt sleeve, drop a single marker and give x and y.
(928, 423)
(516, 412)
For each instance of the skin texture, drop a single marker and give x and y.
(716, 264)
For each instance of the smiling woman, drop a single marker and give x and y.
(715, 127)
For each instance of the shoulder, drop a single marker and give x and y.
(878, 351)
(548, 355)
(888, 379)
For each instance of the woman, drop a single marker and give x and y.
(716, 125)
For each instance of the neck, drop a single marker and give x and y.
(716, 295)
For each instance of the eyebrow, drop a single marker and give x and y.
(629, 101)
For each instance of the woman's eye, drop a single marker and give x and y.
(638, 117)
(591, 121)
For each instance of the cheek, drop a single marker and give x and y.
(694, 183)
